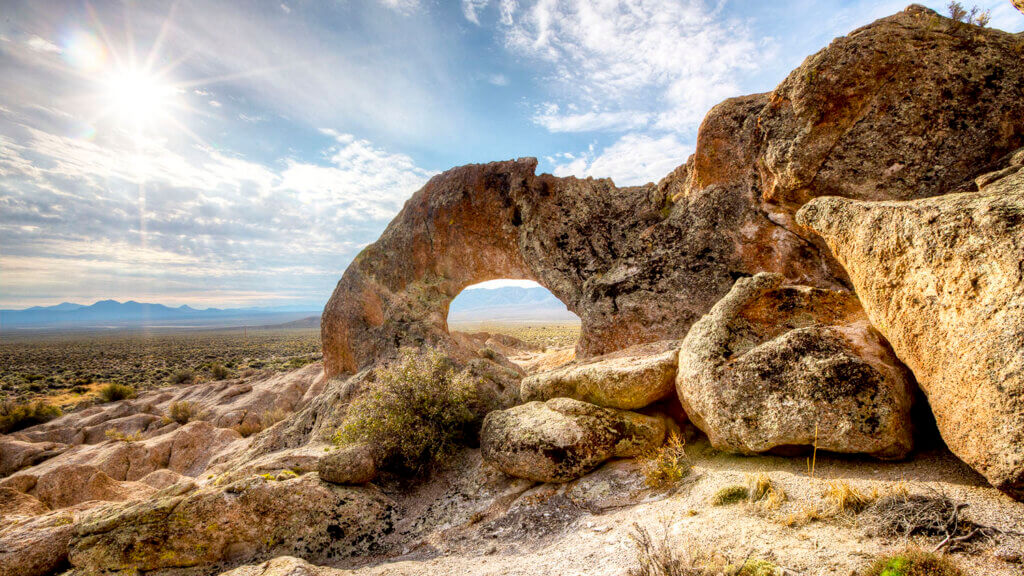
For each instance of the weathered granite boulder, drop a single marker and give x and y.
(246, 521)
(563, 439)
(16, 454)
(632, 378)
(907, 107)
(943, 280)
(775, 366)
(37, 546)
(348, 465)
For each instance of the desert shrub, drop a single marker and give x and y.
(113, 392)
(730, 495)
(118, 436)
(266, 419)
(18, 415)
(914, 563)
(219, 372)
(183, 376)
(665, 465)
(183, 412)
(416, 414)
(975, 15)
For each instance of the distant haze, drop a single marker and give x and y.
(510, 303)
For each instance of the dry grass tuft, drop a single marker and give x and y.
(764, 494)
(842, 498)
(914, 563)
(665, 465)
(658, 557)
(802, 516)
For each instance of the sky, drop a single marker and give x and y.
(224, 153)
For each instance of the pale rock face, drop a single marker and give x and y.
(36, 547)
(348, 465)
(629, 379)
(943, 280)
(563, 439)
(775, 366)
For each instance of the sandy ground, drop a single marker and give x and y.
(513, 527)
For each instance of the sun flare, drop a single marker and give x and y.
(140, 100)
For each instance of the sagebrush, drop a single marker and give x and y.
(914, 563)
(417, 412)
(113, 392)
(15, 416)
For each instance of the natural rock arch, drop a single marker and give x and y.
(643, 263)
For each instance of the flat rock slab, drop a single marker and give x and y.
(628, 379)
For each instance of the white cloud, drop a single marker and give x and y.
(401, 6)
(634, 159)
(498, 79)
(493, 284)
(42, 45)
(550, 117)
(471, 9)
(670, 60)
(286, 9)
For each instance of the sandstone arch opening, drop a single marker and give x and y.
(520, 319)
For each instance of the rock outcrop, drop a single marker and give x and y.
(563, 439)
(249, 520)
(775, 366)
(943, 280)
(349, 465)
(907, 107)
(629, 379)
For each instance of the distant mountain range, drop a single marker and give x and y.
(114, 314)
(502, 304)
(510, 303)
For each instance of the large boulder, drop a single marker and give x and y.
(774, 366)
(907, 107)
(249, 520)
(563, 439)
(629, 379)
(17, 454)
(943, 280)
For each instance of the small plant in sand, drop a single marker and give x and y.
(764, 494)
(219, 372)
(843, 498)
(914, 563)
(113, 392)
(665, 465)
(416, 412)
(730, 495)
(657, 556)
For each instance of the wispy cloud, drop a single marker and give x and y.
(633, 159)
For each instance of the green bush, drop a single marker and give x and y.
(416, 413)
(183, 412)
(914, 563)
(183, 376)
(15, 416)
(113, 392)
(219, 372)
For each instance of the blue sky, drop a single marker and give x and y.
(232, 154)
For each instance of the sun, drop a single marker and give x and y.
(139, 100)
